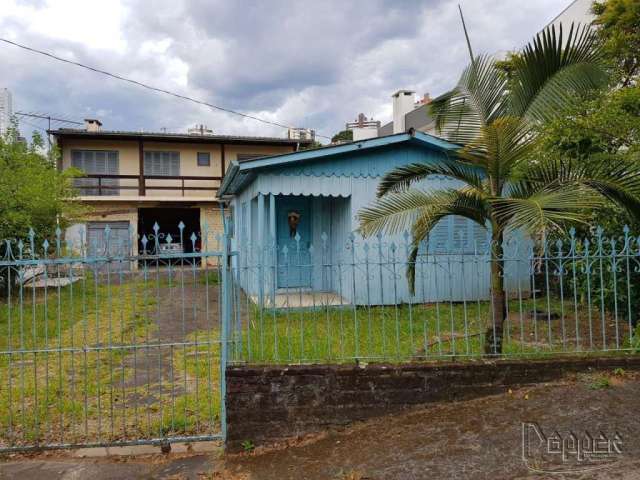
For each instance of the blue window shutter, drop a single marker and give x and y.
(438, 240)
(459, 234)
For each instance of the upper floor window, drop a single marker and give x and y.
(162, 163)
(204, 159)
(96, 162)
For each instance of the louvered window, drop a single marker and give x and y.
(457, 235)
(166, 164)
(96, 162)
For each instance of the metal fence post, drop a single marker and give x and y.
(224, 334)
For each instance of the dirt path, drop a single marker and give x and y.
(479, 439)
(179, 312)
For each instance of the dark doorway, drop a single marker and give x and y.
(168, 220)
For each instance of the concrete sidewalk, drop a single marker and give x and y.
(169, 467)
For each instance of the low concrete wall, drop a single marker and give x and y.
(270, 404)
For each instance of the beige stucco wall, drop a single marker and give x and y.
(129, 163)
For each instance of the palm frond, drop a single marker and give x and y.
(423, 211)
(401, 178)
(547, 208)
(613, 178)
(476, 101)
(464, 202)
(393, 212)
(499, 148)
(551, 68)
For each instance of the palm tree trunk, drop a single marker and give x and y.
(493, 336)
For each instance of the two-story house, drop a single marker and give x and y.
(136, 179)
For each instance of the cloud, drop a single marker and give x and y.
(300, 63)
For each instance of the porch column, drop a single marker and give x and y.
(260, 242)
(272, 218)
(274, 246)
(261, 232)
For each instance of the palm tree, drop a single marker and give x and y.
(504, 186)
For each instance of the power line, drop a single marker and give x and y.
(47, 117)
(38, 127)
(149, 87)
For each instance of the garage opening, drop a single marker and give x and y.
(168, 219)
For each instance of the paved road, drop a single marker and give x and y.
(478, 439)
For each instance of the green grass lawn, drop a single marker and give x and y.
(417, 332)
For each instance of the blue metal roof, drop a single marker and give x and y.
(240, 174)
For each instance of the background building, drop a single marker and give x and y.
(303, 134)
(409, 113)
(6, 110)
(363, 128)
(578, 11)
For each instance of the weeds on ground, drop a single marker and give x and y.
(600, 382)
(248, 446)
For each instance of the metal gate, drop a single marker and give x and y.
(93, 354)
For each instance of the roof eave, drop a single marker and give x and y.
(228, 178)
(178, 138)
(306, 155)
(240, 174)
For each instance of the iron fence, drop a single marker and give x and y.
(351, 302)
(112, 340)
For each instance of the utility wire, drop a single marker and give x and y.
(38, 127)
(149, 87)
(48, 117)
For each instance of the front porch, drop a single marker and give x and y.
(285, 240)
(298, 299)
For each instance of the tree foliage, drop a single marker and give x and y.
(343, 136)
(618, 24)
(34, 193)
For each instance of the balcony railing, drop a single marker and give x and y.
(110, 185)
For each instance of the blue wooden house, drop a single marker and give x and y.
(293, 223)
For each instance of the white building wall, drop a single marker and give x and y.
(363, 133)
(6, 110)
(578, 11)
(403, 103)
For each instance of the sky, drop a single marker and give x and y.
(305, 64)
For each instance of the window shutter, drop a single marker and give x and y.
(460, 234)
(175, 164)
(96, 162)
(101, 162)
(438, 240)
(162, 163)
(480, 238)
